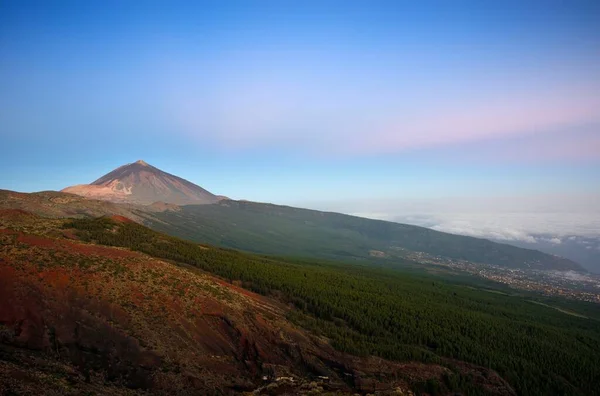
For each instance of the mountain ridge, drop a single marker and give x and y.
(267, 228)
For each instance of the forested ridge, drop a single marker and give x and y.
(400, 315)
(283, 230)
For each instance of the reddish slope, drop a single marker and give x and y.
(84, 318)
(59, 205)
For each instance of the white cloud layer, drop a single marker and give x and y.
(549, 219)
(526, 227)
(568, 226)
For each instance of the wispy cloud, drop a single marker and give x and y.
(321, 117)
(502, 118)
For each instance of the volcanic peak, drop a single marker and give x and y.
(142, 183)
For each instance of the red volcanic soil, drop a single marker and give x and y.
(103, 320)
(121, 219)
(73, 247)
(15, 214)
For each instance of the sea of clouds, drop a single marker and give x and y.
(564, 225)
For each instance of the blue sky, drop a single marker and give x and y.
(283, 102)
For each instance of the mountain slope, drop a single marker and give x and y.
(55, 204)
(142, 183)
(120, 316)
(283, 230)
(81, 318)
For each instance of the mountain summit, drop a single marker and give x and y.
(142, 183)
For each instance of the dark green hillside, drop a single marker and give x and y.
(283, 230)
(404, 315)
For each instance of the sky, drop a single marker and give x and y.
(358, 106)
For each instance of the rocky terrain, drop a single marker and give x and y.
(53, 204)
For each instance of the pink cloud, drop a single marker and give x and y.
(258, 112)
(489, 121)
(567, 146)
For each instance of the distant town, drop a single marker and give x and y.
(570, 284)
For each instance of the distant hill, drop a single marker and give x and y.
(283, 230)
(141, 183)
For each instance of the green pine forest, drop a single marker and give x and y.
(399, 311)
